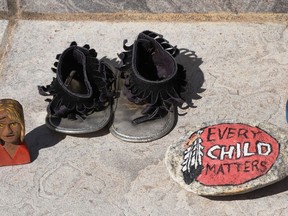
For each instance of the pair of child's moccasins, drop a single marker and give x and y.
(139, 97)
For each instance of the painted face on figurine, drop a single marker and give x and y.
(11, 122)
(13, 149)
(10, 129)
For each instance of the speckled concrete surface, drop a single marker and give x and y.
(3, 5)
(3, 37)
(155, 6)
(3, 26)
(244, 68)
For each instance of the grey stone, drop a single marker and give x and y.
(154, 6)
(3, 28)
(174, 161)
(79, 6)
(3, 25)
(245, 71)
(3, 5)
(258, 6)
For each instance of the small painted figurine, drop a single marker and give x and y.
(13, 150)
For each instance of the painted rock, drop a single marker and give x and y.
(229, 158)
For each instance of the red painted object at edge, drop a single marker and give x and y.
(21, 156)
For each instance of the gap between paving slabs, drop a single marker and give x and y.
(12, 15)
(15, 12)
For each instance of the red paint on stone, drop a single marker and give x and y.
(233, 154)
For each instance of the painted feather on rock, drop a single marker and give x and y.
(192, 164)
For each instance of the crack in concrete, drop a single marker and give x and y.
(15, 13)
(241, 210)
(13, 16)
(271, 116)
(282, 32)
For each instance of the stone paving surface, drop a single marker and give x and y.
(148, 6)
(3, 5)
(3, 25)
(158, 6)
(245, 72)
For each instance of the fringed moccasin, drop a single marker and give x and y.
(150, 89)
(82, 92)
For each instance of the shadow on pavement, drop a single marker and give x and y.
(194, 76)
(270, 190)
(42, 137)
